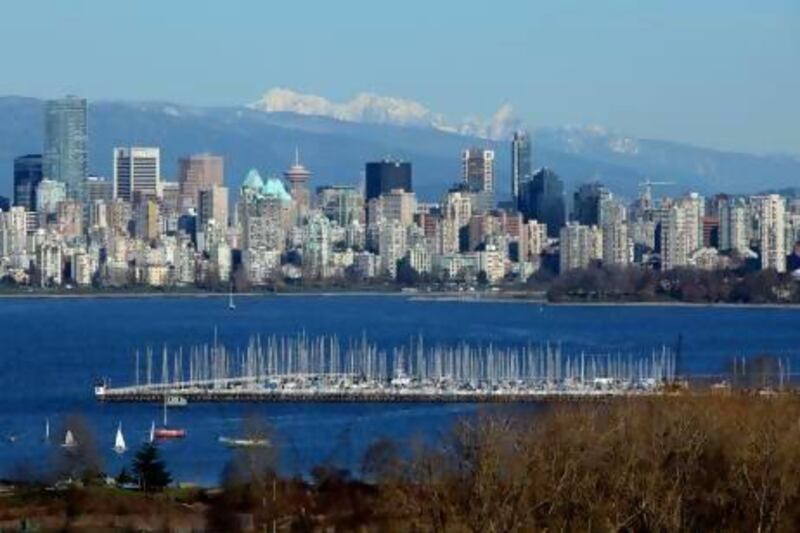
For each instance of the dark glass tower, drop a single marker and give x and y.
(586, 203)
(385, 176)
(27, 175)
(542, 199)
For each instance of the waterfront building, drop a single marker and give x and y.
(673, 236)
(66, 140)
(27, 175)
(771, 212)
(392, 246)
(733, 220)
(136, 169)
(617, 247)
(578, 245)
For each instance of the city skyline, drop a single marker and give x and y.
(716, 75)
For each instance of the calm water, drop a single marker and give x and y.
(53, 349)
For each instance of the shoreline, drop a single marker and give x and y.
(510, 298)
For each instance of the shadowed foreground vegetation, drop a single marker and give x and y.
(729, 463)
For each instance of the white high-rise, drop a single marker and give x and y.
(733, 225)
(136, 169)
(771, 212)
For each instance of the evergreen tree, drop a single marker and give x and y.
(150, 470)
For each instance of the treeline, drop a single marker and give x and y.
(680, 463)
(598, 283)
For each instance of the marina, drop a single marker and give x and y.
(301, 368)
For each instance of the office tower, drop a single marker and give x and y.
(136, 169)
(48, 195)
(66, 140)
(587, 203)
(384, 176)
(195, 173)
(99, 188)
(298, 177)
(521, 165)
(341, 204)
(733, 225)
(578, 246)
(27, 175)
(213, 205)
(542, 199)
(477, 169)
(771, 212)
(147, 222)
(5, 203)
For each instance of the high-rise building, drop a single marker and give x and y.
(27, 175)
(49, 194)
(542, 199)
(477, 169)
(578, 246)
(616, 245)
(771, 212)
(521, 162)
(674, 238)
(66, 140)
(99, 188)
(733, 225)
(298, 177)
(385, 176)
(341, 204)
(213, 206)
(136, 169)
(587, 202)
(198, 172)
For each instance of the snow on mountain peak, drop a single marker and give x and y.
(377, 109)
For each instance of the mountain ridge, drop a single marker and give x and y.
(336, 150)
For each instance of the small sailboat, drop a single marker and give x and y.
(153, 432)
(69, 440)
(46, 430)
(231, 305)
(119, 441)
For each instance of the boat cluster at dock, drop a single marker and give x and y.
(327, 368)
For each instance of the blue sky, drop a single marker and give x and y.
(712, 72)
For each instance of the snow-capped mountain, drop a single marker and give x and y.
(376, 109)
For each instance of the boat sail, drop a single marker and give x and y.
(69, 440)
(119, 441)
(46, 430)
(231, 305)
(153, 432)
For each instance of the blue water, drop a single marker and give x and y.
(52, 350)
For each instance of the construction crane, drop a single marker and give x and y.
(647, 194)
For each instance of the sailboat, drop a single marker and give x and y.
(166, 432)
(153, 432)
(46, 430)
(231, 305)
(69, 440)
(119, 441)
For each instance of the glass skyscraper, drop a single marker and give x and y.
(520, 162)
(27, 175)
(66, 144)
